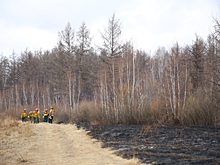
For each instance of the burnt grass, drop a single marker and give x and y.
(160, 144)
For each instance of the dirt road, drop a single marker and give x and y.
(53, 144)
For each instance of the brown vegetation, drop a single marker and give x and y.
(12, 135)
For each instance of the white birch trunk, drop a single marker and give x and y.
(32, 93)
(185, 88)
(73, 94)
(121, 103)
(133, 83)
(101, 95)
(114, 92)
(38, 96)
(106, 96)
(169, 92)
(70, 93)
(128, 84)
(43, 99)
(24, 94)
(178, 90)
(48, 96)
(173, 86)
(78, 96)
(16, 96)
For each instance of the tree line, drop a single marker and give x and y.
(116, 83)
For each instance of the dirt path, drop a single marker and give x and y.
(54, 144)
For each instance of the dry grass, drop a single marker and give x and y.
(10, 125)
(12, 135)
(89, 112)
(196, 112)
(8, 121)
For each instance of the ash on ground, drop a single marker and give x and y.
(160, 144)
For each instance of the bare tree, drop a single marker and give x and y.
(197, 62)
(112, 47)
(112, 37)
(84, 62)
(64, 61)
(66, 39)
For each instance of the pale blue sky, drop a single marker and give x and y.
(34, 24)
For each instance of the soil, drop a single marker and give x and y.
(53, 144)
(153, 144)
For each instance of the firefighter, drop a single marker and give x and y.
(31, 116)
(24, 115)
(51, 114)
(36, 116)
(46, 115)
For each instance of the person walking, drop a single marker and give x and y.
(36, 116)
(31, 116)
(24, 115)
(46, 115)
(51, 114)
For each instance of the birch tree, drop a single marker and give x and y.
(64, 60)
(113, 47)
(84, 71)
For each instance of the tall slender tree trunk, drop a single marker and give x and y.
(73, 94)
(121, 101)
(16, 96)
(24, 94)
(114, 92)
(178, 90)
(128, 85)
(106, 97)
(38, 96)
(79, 92)
(70, 91)
(48, 96)
(185, 88)
(133, 81)
(32, 92)
(43, 100)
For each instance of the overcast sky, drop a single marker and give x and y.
(34, 24)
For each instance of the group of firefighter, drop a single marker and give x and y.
(34, 116)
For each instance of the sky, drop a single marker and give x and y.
(34, 24)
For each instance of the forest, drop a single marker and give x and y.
(116, 83)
